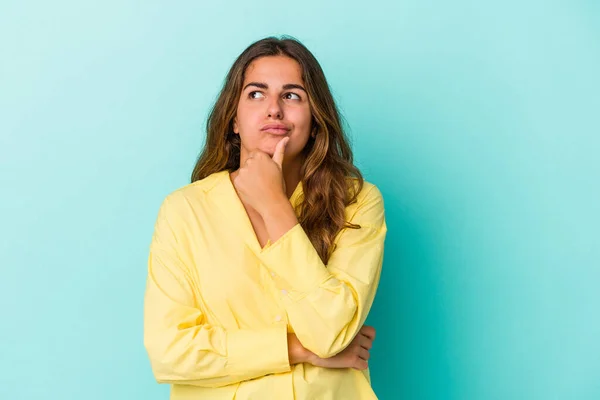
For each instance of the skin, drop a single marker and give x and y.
(274, 104)
(270, 161)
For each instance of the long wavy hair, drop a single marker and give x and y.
(329, 178)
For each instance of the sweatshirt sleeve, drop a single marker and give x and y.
(182, 347)
(328, 304)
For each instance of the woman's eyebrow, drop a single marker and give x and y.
(258, 85)
(293, 86)
(264, 86)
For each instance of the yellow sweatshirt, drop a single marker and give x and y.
(218, 307)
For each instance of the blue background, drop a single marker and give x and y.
(479, 121)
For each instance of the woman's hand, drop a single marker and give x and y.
(260, 182)
(356, 355)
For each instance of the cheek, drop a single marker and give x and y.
(302, 121)
(247, 122)
(301, 136)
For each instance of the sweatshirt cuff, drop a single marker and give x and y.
(294, 262)
(258, 352)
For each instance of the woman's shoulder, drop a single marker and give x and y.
(368, 208)
(369, 192)
(193, 192)
(367, 211)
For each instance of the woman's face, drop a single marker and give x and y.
(273, 104)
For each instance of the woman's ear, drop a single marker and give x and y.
(235, 126)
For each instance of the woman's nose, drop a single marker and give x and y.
(274, 109)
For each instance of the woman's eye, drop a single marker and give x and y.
(255, 95)
(291, 96)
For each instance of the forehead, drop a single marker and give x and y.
(275, 70)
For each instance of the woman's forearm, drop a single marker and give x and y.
(279, 218)
(296, 352)
(356, 355)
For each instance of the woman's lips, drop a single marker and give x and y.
(276, 131)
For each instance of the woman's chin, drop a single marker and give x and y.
(270, 146)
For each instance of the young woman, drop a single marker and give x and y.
(262, 271)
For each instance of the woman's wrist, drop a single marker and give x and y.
(276, 207)
(296, 352)
(279, 219)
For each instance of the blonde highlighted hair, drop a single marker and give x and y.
(328, 162)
